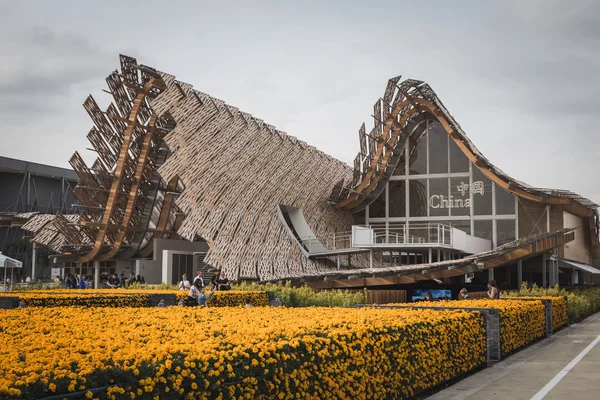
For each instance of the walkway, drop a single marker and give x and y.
(572, 354)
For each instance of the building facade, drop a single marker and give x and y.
(421, 204)
(28, 189)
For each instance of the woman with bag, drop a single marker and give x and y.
(194, 293)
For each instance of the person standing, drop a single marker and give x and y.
(131, 279)
(493, 292)
(199, 278)
(113, 281)
(193, 294)
(184, 284)
(82, 284)
(223, 282)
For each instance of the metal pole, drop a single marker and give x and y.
(33, 262)
(96, 274)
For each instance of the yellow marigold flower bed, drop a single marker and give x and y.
(560, 316)
(233, 298)
(521, 322)
(127, 298)
(239, 352)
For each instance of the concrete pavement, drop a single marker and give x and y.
(523, 375)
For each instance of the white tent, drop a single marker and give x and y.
(6, 263)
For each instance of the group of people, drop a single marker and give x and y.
(77, 281)
(114, 281)
(197, 294)
(493, 292)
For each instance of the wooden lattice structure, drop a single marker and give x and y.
(176, 162)
(118, 193)
(236, 170)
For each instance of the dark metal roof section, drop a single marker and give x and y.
(19, 166)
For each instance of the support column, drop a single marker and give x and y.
(33, 262)
(338, 261)
(519, 274)
(371, 258)
(430, 255)
(490, 274)
(553, 274)
(96, 274)
(544, 270)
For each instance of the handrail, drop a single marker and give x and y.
(396, 234)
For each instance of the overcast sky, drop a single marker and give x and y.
(521, 77)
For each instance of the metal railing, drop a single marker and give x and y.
(334, 241)
(393, 235)
(403, 234)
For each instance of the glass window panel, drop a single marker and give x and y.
(481, 187)
(175, 271)
(464, 226)
(377, 208)
(418, 156)
(505, 231)
(401, 164)
(483, 229)
(438, 149)
(418, 198)
(439, 200)
(505, 202)
(397, 198)
(359, 218)
(190, 265)
(459, 192)
(458, 161)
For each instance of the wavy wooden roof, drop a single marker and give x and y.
(402, 104)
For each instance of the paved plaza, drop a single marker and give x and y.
(572, 354)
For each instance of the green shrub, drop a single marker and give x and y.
(304, 296)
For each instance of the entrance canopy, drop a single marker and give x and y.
(578, 265)
(7, 262)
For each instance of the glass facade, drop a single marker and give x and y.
(444, 187)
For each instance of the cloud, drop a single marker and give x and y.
(41, 66)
